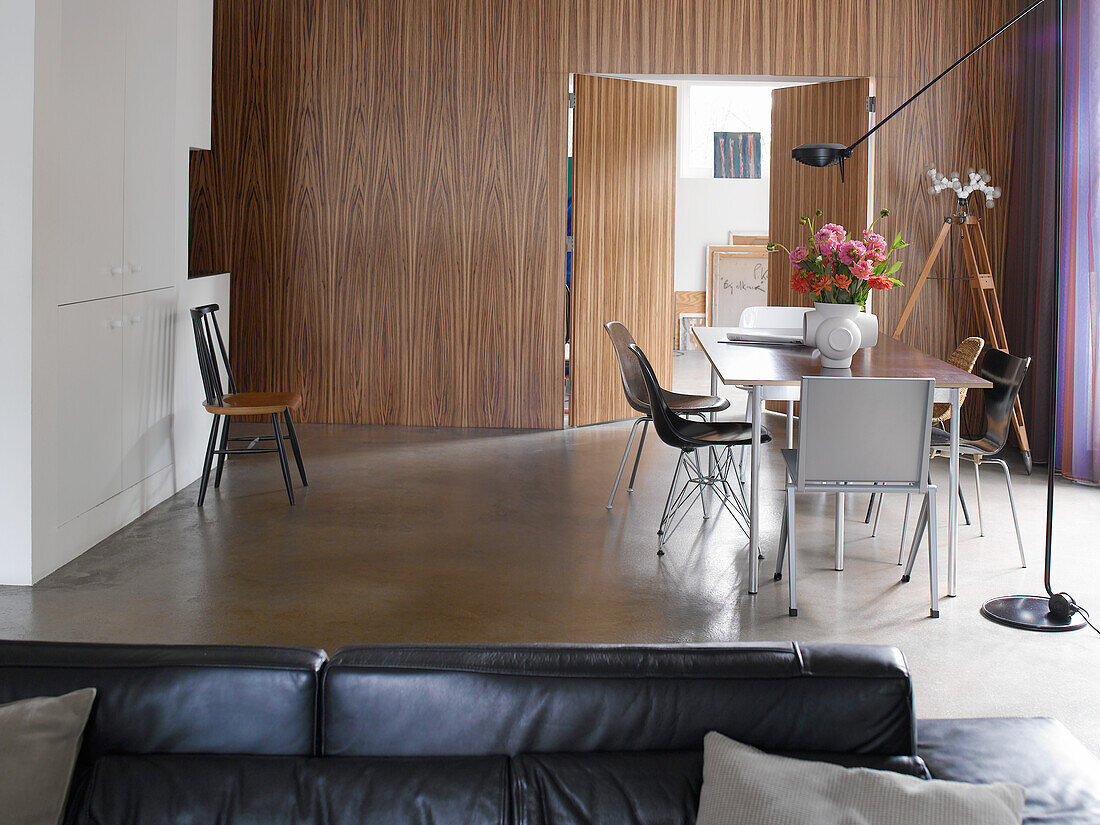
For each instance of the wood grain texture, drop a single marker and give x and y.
(386, 186)
(421, 147)
(624, 197)
(817, 113)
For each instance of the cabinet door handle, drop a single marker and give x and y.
(116, 270)
(134, 269)
(135, 319)
(114, 324)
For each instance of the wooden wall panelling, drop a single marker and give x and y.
(624, 190)
(327, 117)
(816, 113)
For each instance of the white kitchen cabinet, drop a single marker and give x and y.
(150, 156)
(148, 352)
(91, 90)
(89, 436)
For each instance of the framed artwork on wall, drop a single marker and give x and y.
(737, 277)
(737, 155)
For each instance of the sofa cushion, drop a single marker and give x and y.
(635, 788)
(1061, 777)
(169, 790)
(39, 740)
(176, 699)
(512, 699)
(745, 786)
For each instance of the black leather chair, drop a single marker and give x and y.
(638, 398)
(689, 436)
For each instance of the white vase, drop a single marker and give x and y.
(838, 331)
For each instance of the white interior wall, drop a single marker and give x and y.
(16, 203)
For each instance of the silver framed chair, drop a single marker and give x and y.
(891, 456)
(688, 437)
(637, 396)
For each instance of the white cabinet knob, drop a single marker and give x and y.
(116, 270)
(114, 324)
(135, 319)
(135, 269)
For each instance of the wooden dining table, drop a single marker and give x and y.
(759, 365)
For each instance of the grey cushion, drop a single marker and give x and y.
(744, 786)
(39, 741)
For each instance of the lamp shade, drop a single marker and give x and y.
(821, 154)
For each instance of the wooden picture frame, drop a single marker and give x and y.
(737, 277)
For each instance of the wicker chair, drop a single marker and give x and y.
(964, 357)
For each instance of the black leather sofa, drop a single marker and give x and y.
(535, 735)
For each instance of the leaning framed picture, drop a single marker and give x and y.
(737, 278)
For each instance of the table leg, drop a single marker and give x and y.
(754, 493)
(953, 494)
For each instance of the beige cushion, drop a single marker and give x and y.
(39, 741)
(742, 785)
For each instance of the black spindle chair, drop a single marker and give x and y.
(225, 406)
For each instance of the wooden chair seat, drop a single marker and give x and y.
(255, 403)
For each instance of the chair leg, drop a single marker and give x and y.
(904, 527)
(962, 501)
(838, 548)
(208, 460)
(622, 463)
(282, 457)
(878, 512)
(933, 555)
(637, 457)
(978, 496)
(922, 523)
(699, 474)
(782, 544)
(792, 608)
(870, 507)
(744, 448)
(223, 445)
(294, 446)
(668, 503)
(790, 425)
(1012, 504)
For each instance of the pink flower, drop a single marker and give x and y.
(874, 241)
(864, 270)
(799, 254)
(850, 252)
(829, 237)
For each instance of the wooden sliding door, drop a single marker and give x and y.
(833, 112)
(624, 197)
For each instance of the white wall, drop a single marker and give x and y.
(707, 210)
(16, 223)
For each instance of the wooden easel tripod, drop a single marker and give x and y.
(984, 294)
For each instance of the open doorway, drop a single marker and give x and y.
(720, 180)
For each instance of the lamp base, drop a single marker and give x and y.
(1029, 613)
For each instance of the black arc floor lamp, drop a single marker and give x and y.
(1054, 611)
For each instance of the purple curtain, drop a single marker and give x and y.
(1078, 430)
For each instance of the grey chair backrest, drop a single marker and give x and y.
(633, 382)
(865, 430)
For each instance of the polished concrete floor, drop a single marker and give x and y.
(440, 535)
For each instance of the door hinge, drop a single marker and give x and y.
(871, 103)
(572, 100)
(568, 243)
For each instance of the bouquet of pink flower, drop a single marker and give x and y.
(837, 270)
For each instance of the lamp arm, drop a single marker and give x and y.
(937, 78)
